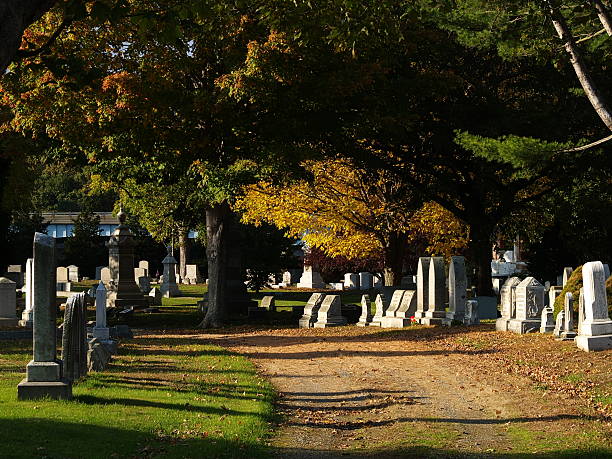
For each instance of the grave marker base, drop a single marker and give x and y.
(594, 343)
(501, 324)
(524, 326)
(55, 390)
(394, 322)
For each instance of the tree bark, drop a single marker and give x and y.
(604, 16)
(216, 252)
(480, 251)
(183, 252)
(586, 81)
(15, 17)
(394, 251)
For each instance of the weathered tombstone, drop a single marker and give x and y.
(101, 330)
(73, 273)
(99, 272)
(192, 273)
(580, 308)
(457, 290)
(13, 269)
(44, 372)
(105, 275)
(144, 265)
(567, 272)
(27, 316)
(8, 303)
(268, 302)
(98, 355)
(311, 278)
(311, 310)
(559, 323)
(547, 320)
(366, 281)
(396, 300)
(553, 293)
(507, 303)
(529, 304)
(351, 281)
(61, 274)
(144, 283)
(471, 316)
(122, 291)
(595, 332)
(169, 287)
(422, 287)
(436, 311)
(380, 310)
(330, 313)
(568, 333)
(286, 277)
(365, 319)
(140, 272)
(74, 338)
(155, 297)
(404, 312)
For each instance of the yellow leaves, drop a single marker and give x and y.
(444, 233)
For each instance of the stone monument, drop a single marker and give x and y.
(8, 303)
(366, 281)
(595, 331)
(380, 310)
(422, 287)
(471, 316)
(74, 338)
(529, 304)
(311, 310)
(567, 333)
(44, 372)
(311, 278)
(122, 290)
(567, 272)
(27, 316)
(436, 311)
(507, 296)
(268, 302)
(365, 319)
(330, 313)
(101, 330)
(169, 287)
(351, 281)
(547, 320)
(457, 290)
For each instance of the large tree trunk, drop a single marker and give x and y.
(480, 252)
(586, 81)
(183, 252)
(604, 16)
(216, 252)
(15, 17)
(394, 251)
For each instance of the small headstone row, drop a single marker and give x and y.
(322, 311)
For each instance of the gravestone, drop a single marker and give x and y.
(351, 281)
(169, 287)
(286, 278)
(61, 274)
(330, 313)
(365, 319)
(507, 296)
(547, 320)
(27, 316)
(13, 269)
(105, 276)
(553, 293)
(457, 290)
(140, 272)
(568, 333)
(44, 372)
(567, 272)
(559, 324)
(268, 302)
(192, 273)
(101, 330)
(606, 268)
(580, 308)
(437, 293)
(74, 338)
(396, 300)
(529, 303)
(8, 303)
(380, 309)
(311, 278)
(99, 272)
(595, 333)
(73, 273)
(144, 265)
(403, 313)
(422, 287)
(155, 297)
(366, 281)
(144, 283)
(311, 310)
(471, 316)
(122, 291)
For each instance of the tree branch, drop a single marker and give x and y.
(34, 52)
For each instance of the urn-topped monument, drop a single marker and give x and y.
(123, 292)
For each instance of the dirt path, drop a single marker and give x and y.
(374, 391)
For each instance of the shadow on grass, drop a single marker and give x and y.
(53, 438)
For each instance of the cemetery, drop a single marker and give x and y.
(305, 229)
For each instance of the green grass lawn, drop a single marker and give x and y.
(163, 396)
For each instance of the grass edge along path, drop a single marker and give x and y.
(163, 396)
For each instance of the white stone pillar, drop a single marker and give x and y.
(27, 316)
(101, 330)
(596, 329)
